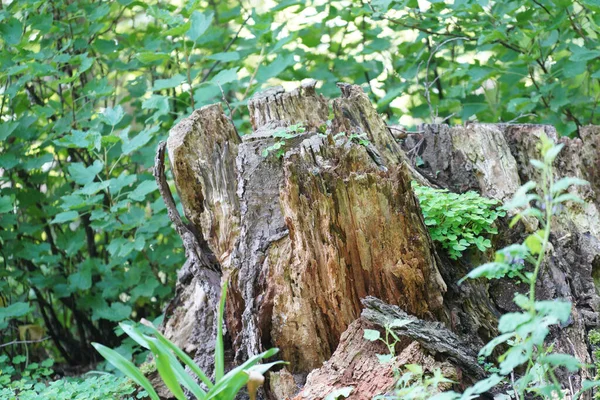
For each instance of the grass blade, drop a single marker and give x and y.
(126, 367)
(182, 376)
(180, 353)
(228, 387)
(163, 366)
(252, 361)
(135, 334)
(219, 346)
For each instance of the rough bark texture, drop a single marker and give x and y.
(463, 158)
(304, 237)
(355, 365)
(433, 336)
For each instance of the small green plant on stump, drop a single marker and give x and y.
(283, 134)
(525, 331)
(458, 221)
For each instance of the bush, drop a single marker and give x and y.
(20, 380)
(103, 387)
(458, 221)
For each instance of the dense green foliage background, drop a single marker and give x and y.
(89, 87)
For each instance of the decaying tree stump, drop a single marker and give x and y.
(303, 238)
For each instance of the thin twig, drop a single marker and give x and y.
(24, 341)
(205, 77)
(512, 381)
(229, 108)
(521, 116)
(403, 132)
(428, 84)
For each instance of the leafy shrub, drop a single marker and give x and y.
(19, 380)
(17, 368)
(173, 374)
(102, 387)
(525, 331)
(458, 221)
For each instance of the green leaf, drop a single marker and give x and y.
(225, 57)
(384, 358)
(231, 383)
(126, 367)
(6, 128)
(225, 76)
(122, 181)
(112, 116)
(551, 154)
(416, 369)
(6, 204)
(11, 31)
(157, 102)
(142, 190)
(274, 68)
(585, 386)
(551, 39)
(83, 175)
(129, 146)
(487, 350)
(567, 197)
(561, 310)
(81, 139)
(564, 183)
(162, 84)
(510, 321)
(82, 279)
(199, 23)
(178, 30)
(92, 188)
(538, 164)
(371, 335)
(148, 57)
(399, 323)
(65, 217)
(561, 360)
(482, 386)
(116, 312)
(534, 242)
(15, 310)
(583, 54)
(179, 373)
(493, 270)
(520, 197)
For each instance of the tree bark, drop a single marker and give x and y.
(303, 238)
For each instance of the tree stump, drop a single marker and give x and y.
(304, 237)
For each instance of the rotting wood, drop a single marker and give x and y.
(307, 235)
(433, 336)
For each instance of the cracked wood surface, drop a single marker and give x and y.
(306, 236)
